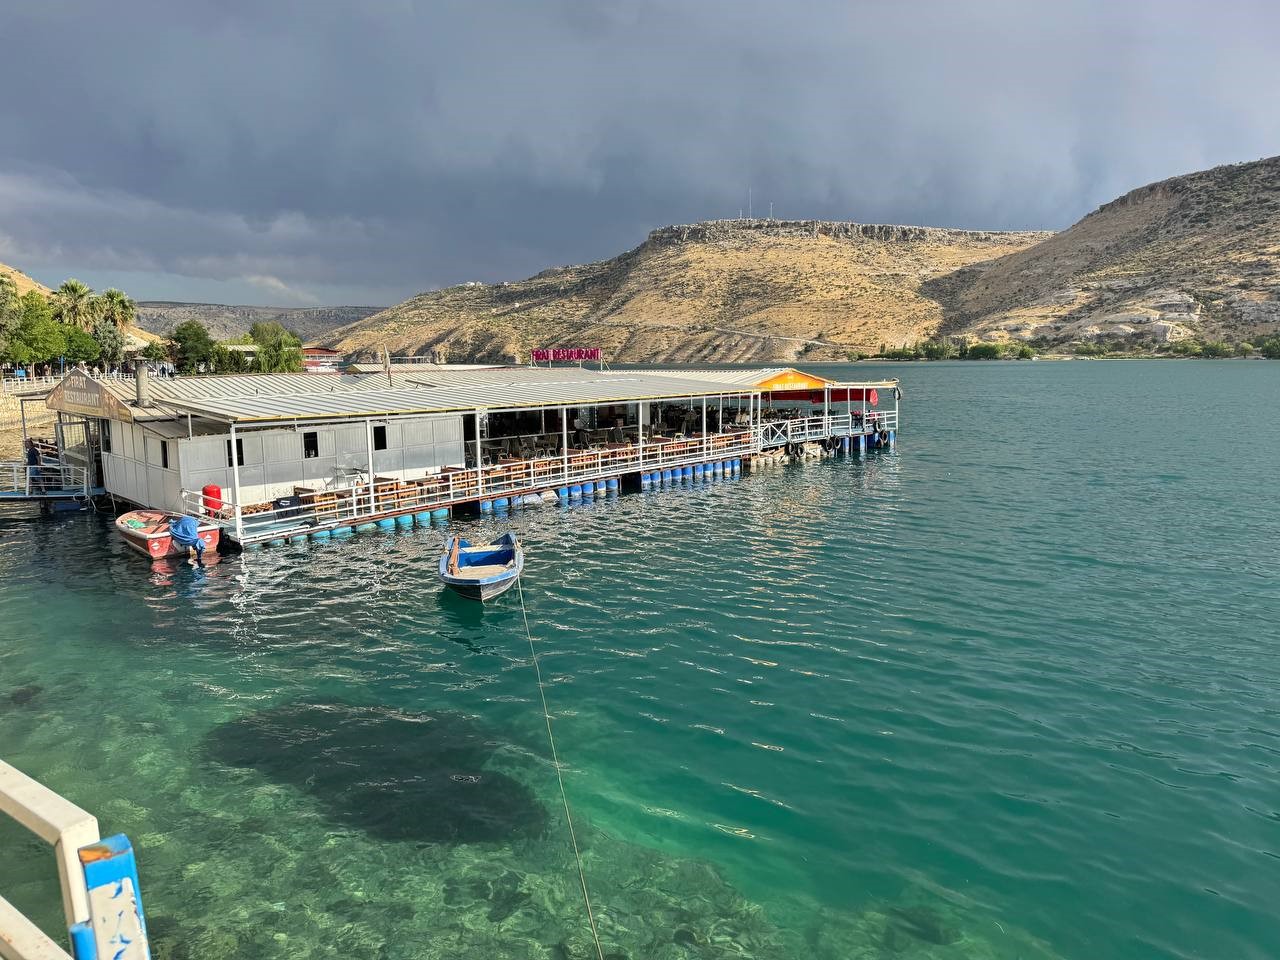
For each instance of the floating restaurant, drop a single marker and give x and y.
(271, 457)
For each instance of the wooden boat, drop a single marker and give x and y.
(147, 531)
(483, 571)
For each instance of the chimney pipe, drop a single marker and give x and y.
(142, 385)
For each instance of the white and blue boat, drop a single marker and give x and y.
(483, 571)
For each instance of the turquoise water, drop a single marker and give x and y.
(1012, 690)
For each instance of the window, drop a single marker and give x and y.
(164, 454)
(104, 435)
(310, 445)
(239, 452)
(380, 437)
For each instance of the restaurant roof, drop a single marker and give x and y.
(526, 388)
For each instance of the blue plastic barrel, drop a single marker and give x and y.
(611, 484)
(575, 491)
(601, 486)
(387, 523)
(342, 531)
(321, 534)
(423, 517)
(502, 503)
(562, 493)
(441, 513)
(367, 525)
(666, 476)
(893, 437)
(686, 473)
(486, 506)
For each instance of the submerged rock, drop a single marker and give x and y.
(23, 695)
(395, 775)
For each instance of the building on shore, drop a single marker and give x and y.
(272, 456)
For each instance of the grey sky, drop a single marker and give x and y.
(359, 152)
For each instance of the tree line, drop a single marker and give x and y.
(72, 322)
(74, 325)
(276, 350)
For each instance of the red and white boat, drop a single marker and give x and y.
(147, 531)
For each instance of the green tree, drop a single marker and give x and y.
(940, 349)
(110, 340)
(75, 305)
(229, 361)
(155, 352)
(985, 351)
(37, 338)
(1217, 348)
(116, 306)
(279, 350)
(10, 309)
(1269, 347)
(80, 346)
(192, 346)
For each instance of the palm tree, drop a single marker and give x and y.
(73, 304)
(116, 306)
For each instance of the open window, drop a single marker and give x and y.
(310, 445)
(380, 437)
(239, 461)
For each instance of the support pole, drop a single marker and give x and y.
(368, 440)
(826, 410)
(704, 426)
(564, 440)
(479, 459)
(235, 483)
(642, 413)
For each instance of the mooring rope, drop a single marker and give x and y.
(555, 759)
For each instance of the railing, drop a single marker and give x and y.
(361, 500)
(99, 880)
(17, 478)
(775, 433)
(12, 384)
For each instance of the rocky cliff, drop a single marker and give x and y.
(1196, 255)
(728, 290)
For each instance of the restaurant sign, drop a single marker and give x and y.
(572, 354)
(81, 394)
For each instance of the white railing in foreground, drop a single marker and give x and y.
(16, 477)
(60, 823)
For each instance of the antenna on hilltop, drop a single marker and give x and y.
(750, 212)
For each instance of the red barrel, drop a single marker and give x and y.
(212, 497)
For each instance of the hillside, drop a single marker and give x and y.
(733, 290)
(22, 281)
(228, 322)
(1192, 255)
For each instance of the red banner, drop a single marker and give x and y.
(574, 354)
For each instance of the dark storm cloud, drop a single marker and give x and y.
(287, 151)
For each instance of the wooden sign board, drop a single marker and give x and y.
(81, 394)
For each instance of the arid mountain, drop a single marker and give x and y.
(1194, 255)
(228, 322)
(22, 281)
(724, 290)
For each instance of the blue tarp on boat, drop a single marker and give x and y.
(186, 531)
